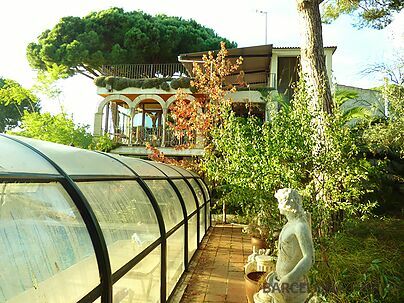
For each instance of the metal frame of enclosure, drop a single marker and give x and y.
(84, 226)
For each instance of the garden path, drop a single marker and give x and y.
(217, 273)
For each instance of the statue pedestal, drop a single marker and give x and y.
(263, 297)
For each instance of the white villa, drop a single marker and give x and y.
(136, 99)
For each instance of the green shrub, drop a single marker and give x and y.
(121, 83)
(103, 143)
(244, 153)
(185, 82)
(138, 83)
(100, 81)
(175, 83)
(110, 80)
(58, 128)
(165, 86)
(384, 137)
(149, 83)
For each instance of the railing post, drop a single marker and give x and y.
(106, 130)
(132, 115)
(163, 122)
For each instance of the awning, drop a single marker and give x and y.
(256, 63)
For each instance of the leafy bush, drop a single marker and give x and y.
(182, 82)
(136, 83)
(387, 138)
(261, 158)
(148, 83)
(59, 128)
(165, 86)
(110, 81)
(103, 143)
(100, 81)
(119, 83)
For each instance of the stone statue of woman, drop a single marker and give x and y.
(289, 283)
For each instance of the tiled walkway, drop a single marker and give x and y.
(217, 271)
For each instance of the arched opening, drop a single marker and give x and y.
(117, 121)
(147, 123)
(113, 118)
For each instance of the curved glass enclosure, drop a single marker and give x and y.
(84, 226)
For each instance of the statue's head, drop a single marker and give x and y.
(289, 200)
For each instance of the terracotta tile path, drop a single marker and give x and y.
(216, 274)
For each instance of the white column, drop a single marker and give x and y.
(274, 70)
(132, 114)
(163, 123)
(97, 124)
(328, 64)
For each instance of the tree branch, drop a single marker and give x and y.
(89, 69)
(84, 73)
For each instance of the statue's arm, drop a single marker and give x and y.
(303, 235)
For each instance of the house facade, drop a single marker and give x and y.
(136, 100)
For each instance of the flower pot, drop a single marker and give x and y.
(258, 243)
(265, 263)
(251, 284)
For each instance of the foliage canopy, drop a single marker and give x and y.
(371, 13)
(113, 36)
(58, 129)
(14, 100)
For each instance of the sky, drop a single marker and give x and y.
(23, 21)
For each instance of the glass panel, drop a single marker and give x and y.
(46, 252)
(175, 259)
(168, 201)
(183, 171)
(202, 222)
(192, 236)
(75, 161)
(205, 190)
(186, 194)
(140, 167)
(142, 283)
(126, 217)
(194, 174)
(167, 170)
(197, 190)
(17, 158)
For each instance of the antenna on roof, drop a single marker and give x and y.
(266, 23)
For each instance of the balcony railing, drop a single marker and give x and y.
(154, 136)
(141, 71)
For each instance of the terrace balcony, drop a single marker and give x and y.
(137, 100)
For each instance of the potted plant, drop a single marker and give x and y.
(259, 236)
(254, 281)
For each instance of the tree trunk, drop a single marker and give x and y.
(317, 86)
(312, 56)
